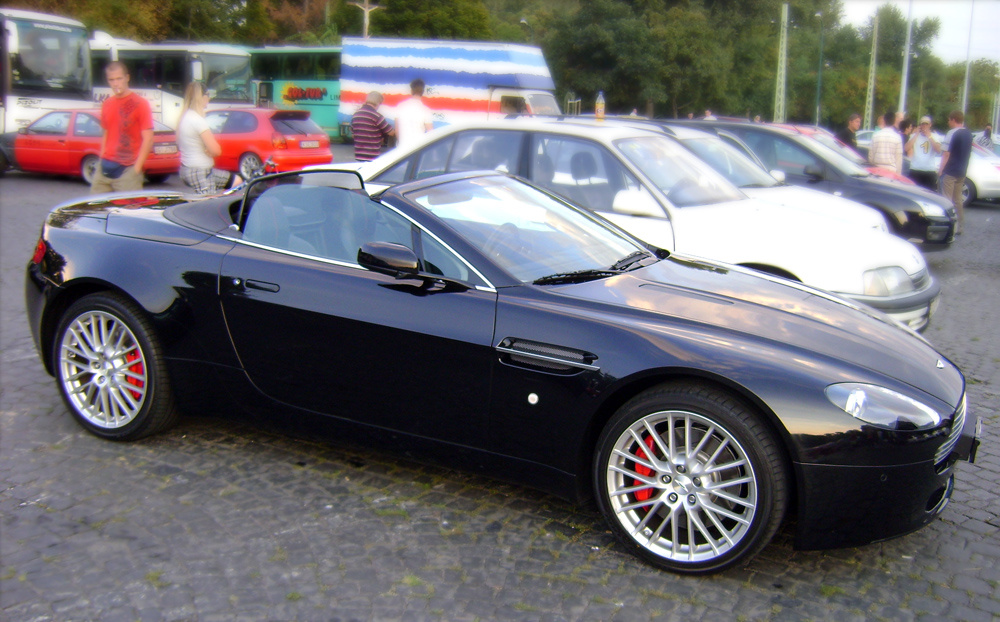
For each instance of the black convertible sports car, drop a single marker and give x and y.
(484, 323)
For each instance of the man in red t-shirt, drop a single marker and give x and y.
(128, 135)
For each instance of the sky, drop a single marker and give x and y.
(953, 39)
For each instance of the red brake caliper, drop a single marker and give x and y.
(137, 369)
(645, 493)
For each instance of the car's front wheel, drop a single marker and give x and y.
(110, 370)
(88, 168)
(690, 479)
(250, 166)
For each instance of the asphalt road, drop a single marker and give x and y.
(221, 520)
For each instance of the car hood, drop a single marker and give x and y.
(729, 298)
(816, 248)
(820, 203)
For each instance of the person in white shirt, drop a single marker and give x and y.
(198, 146)
(413, 118)
(923, 149)
(886, 149)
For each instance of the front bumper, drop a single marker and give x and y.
(842, 506)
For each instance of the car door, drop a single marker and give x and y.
(315, 330)
(42, 148)
(783, 154)
(84, 139)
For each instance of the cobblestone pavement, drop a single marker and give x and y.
(221, 520)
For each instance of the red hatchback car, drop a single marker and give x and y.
(249, 136)
(68, 142)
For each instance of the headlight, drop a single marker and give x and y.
(932, 209)
(890, 281)
(881, 407)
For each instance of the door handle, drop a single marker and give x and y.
(262, 285)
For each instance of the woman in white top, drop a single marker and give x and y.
(197, 145)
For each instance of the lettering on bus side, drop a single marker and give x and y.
(295, 93)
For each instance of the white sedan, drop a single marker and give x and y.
(650, 185)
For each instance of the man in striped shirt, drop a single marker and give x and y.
(370, 129)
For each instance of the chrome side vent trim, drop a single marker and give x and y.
(546, 356)
(957, 423)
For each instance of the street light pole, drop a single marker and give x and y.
(906, 62)
(819, 72)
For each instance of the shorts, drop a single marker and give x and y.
(128, 180)
(205, 180)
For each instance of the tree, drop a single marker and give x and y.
(432, 19)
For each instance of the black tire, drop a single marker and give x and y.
(88, 168)
(109, 368)
(251, 165)
(670, 511)
(968, 192)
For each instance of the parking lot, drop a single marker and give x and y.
(220, 519)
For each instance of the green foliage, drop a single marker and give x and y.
(432, 19)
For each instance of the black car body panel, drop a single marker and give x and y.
(454, 370)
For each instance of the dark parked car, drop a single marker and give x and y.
(483, 322)
(913, 213)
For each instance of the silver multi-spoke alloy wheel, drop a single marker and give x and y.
(103, 369)
(691, 478)
(110, 368)
(682, 486)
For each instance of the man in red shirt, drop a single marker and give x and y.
(128, 135)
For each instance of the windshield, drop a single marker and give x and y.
(542, 104)
(834, 157)
(847, 152)
(228, 77)
(733, 165)
(526, 232)
(684, 179)
(50, 60)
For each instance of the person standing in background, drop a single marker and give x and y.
(127, 121)
(370, 129)
(955, 163)
(848, 135)
(922, 149)
(886, 149)
(986, 140)
(198, 146)
(413, 117)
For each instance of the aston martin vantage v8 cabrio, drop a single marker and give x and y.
(479, 321)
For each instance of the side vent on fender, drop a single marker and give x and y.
(545, 357)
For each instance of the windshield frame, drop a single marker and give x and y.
(757, 176)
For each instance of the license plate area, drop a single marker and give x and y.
(309, 144)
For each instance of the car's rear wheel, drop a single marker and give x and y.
(110, 370)
(968, 192)
(88, 168)
(690, 479)
(250, 166)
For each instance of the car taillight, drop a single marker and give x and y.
(278, 141)
(39, 254)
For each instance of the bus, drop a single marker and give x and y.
(300, 78)
(161, 71)
(45, 65)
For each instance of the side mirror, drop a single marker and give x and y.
(779, 175)
(814, 172)
(22, 130)
(388, 258)
(636, 203)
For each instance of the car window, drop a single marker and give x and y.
(240, 123)
(333, 223)
(792, 158)
(87, 125)
(733, 165)
(485, 150)
(52, 123)
(763, 146)
(217, 120)
(431, 161)
(294, 125)
(582, 171)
